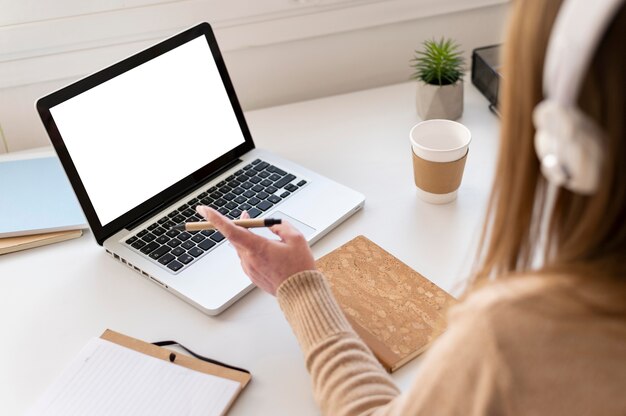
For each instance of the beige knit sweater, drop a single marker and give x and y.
(529, 346)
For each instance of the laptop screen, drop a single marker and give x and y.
(142, 131)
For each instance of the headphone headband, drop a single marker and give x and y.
(568, 143)
(579, 27)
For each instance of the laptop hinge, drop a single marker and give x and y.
(159, 207)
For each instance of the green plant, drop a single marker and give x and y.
(440, 63)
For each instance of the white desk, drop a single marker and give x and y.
(54, 298)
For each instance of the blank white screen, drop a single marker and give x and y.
(144, 130)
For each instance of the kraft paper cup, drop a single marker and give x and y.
(439, 149)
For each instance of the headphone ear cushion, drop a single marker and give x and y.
(568, 145)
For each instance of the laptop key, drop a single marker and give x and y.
(206, 244)
(264, 205)
(271, 189)
(188, 244)
(254, 212)
(274, 199)
(226, 188)
(179, 219)
(247, 167)
(249, 194)
(284, 181)
(255, 179)
(152, 226)
(245, 206)
(238, 191)
(183, 236)
(158, 231)
(235, 213)
(177, 251)
(173, 213)
(202, 195)
(291, 187)
(166, 258)
(192, 202)
(247, 185)
(229, 196)
(172, 233)
(220, 202)
(255, 161)
(274, 177)
(174, 265)
(148, 237)
(188, 212)
(159, 252)
(251, 172)
(254, 201)
(301, 183)
(266, 182)
(196, 252)
(207, 201)
(216, 195)
(162, 220)
(185, 259)
(276, 170)
(240, 199)
(162, 239)
(150, 247)
(198, 238)
(142, 233)
(285, 194)
(131, 240)
(262, 195)
(261, 166)
(217, 237)
(231, 205)
(168, 225)
(138, 244)
(174, 242)
(257, 188)
(207, 232)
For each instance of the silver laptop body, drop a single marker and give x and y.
(214, 279)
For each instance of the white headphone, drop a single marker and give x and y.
(567, 142)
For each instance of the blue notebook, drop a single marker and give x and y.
(36, 197)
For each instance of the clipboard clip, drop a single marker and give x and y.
(172, 356)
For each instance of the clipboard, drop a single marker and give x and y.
(240, 376)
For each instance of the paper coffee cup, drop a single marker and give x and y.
(439, 149)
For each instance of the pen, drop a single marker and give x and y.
(247, 223)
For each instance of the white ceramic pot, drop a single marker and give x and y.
(439, 102)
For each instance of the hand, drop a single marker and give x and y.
(268, 263)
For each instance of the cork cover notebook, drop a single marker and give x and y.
(396, 310)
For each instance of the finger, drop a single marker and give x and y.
(286, 231)
(238, 236)
(245, 215)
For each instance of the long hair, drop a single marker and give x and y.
(584, 232)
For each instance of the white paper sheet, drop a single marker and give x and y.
(108, 379)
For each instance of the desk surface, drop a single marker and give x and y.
(54, 298)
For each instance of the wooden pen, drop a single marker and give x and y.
(246, 223)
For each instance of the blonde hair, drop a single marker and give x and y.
(584, 232)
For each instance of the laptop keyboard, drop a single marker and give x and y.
(255, 188)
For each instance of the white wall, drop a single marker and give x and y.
(277, 51)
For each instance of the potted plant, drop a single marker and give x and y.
(439, 73)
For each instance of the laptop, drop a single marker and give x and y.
(146, 140)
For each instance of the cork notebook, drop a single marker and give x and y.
(396, 310)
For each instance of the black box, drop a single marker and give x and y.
(486, 72)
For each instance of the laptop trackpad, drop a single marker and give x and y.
(300, 226)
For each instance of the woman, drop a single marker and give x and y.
(538, 340)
